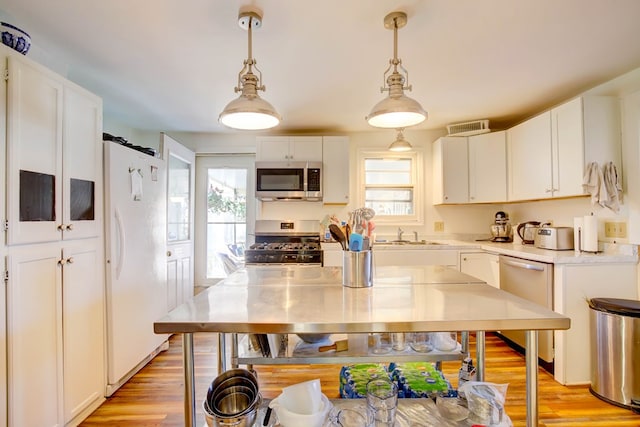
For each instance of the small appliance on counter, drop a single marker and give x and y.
(528, 230)
(501, 230)
(555, 238)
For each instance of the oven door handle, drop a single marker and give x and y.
(524, 265)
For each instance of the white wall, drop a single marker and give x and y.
(459, 220)
(561, 212)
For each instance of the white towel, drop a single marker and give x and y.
(611, 182)
(136, 184)
(592, 180)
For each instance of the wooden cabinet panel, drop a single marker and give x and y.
(289, 148)
(335, 170)
(482, 265)
(56, 194)
(34, 333)
(450, 170)
(83, 323)
(488, 167)
(529, 159)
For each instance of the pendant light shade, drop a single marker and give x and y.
(249, 111)
(400, 144)
(397, 110)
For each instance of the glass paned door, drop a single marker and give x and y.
(179, 200)
(227, 188)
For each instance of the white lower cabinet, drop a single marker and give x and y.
(34, 335)
(573, 286)
(82, 326)
(482, 265)
(406, 257)
(55, 332)
(331, 254)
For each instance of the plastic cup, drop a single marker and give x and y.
(303, 398)
(382, 401)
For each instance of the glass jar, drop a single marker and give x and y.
(420, 342)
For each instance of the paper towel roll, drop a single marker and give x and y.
(577, 233)
(590, 233)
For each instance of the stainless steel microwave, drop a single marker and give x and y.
(289, 180)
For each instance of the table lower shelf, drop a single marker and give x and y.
(410, 413)
(298, 352)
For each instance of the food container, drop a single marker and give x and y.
(357, 269)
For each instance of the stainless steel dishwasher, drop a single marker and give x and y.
(532, 281)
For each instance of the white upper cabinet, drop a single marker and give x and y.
(547, 155)
(488, 167)
(34, 154)
(529, 159)
(289, 148)
(450, 170)
(335, 163)
(584, 130)
(54, 160)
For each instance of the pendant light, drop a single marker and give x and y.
(397, 110)
(400, 144)
(249, 111)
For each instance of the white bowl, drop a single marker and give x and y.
(302, 398)
(286, 418)
(15, 38)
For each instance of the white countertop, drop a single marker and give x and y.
(312, 300)
(611, 254)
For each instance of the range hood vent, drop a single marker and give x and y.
(468, 128)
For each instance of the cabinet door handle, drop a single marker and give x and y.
(70, 227)
(70, 260)
(60, 227)
(168, 253)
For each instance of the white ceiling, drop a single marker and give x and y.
(172, 64)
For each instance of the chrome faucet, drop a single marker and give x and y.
(400, 231)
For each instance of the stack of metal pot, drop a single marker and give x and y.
(232, 399)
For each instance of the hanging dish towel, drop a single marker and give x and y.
(592, 181)
(611, 183)
(136, 184)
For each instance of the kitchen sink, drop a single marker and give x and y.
(409, 242)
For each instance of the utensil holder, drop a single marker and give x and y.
(357, 269)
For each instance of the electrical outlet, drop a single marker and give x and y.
(615, 229)
(438, 226)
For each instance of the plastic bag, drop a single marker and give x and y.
(486, 403)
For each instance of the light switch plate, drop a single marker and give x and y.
(438, 226)
(615, 229)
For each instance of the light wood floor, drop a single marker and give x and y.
(153, 397)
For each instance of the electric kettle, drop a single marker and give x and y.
(527, 231)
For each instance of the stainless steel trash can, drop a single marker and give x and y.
(615, 351)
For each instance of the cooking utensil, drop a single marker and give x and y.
(347, 233)
(338, 236)
(341, 345)
(267, 415)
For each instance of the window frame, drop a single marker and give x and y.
(417, 182)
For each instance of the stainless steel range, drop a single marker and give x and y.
(285, 242)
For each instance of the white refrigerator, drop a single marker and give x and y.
(136, 269)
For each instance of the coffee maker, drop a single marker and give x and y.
(501, 230)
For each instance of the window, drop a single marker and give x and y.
(391, 186)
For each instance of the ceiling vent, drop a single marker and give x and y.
(468, 128)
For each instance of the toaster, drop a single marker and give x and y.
(555, 238)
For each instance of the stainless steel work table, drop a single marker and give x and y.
(298, 300)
